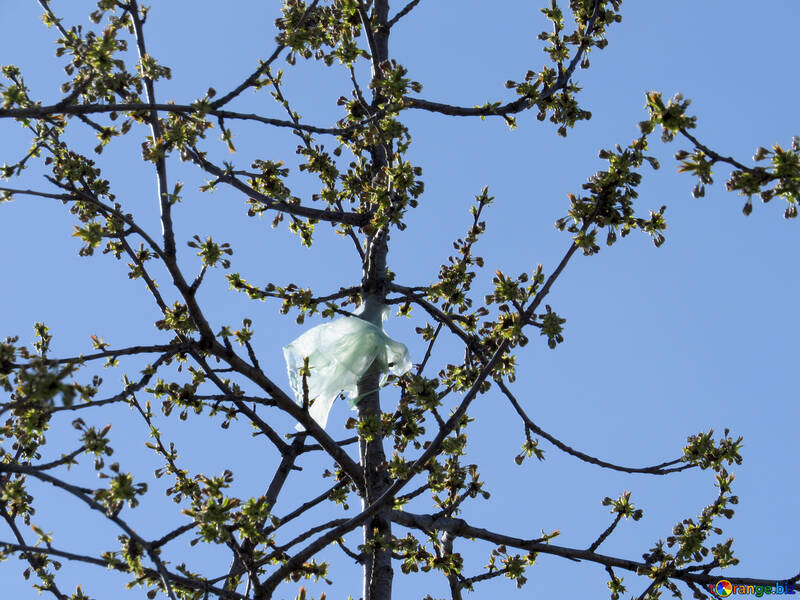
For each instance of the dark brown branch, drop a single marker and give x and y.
(429, 349)
(726, 159)
(346, 218)
(123, 395)
(244, 558)
(45, 4)
(405, 498)
(75, 195)
(358, 558)
(344, 442)
(286, 404)
(403, 12)
(257, 421)
(468, 581)
(164, 539)
(217, 398)
(305, 507)
(82, 495)
(342, 293)
(178, 579)
(66, 459)
(41, 112)
(163, 348)
(435, 312)
(280, 551)
(112, 354)
(520, 104)
(31, 557)
(603, 536)
(53, 552)
(461, 528)
(148, 280)
(660, 469)
(252, 80)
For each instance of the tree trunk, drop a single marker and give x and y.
(378, 572)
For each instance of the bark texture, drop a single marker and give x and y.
(378, 572)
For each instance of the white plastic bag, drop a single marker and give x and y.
(339, 353)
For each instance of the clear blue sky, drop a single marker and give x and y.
(660, 343)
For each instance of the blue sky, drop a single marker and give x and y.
(660, 343)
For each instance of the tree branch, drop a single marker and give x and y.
(346, 218)
(520, 104)
(252, 80)
(36, 565)
(75, 195)
(123, 395)
(403, 12)
(155, 128)
(178, 579)
(726, 159)
(660, 469)
(41, 112)
(287, 404)
(461, 528)
(81, 494)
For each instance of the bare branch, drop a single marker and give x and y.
(726, 159)
(603, 536)
(155, 128)
(66, 459)
(660, 469)
(173, 348)
(166, 538)
(434, 312)
(403, 12)
(252, 80)
(74, 195)
(520, 104)
(344, 442)
(305, 507)
(245, 555)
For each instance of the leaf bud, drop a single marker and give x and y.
(761, 154)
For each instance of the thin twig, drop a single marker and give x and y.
(84, 497)
(403, 12)
(518, 105)
(603, 536)
(660, 469)
(165, 203)
(253, 78)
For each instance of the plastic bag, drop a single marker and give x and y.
(339, 354)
